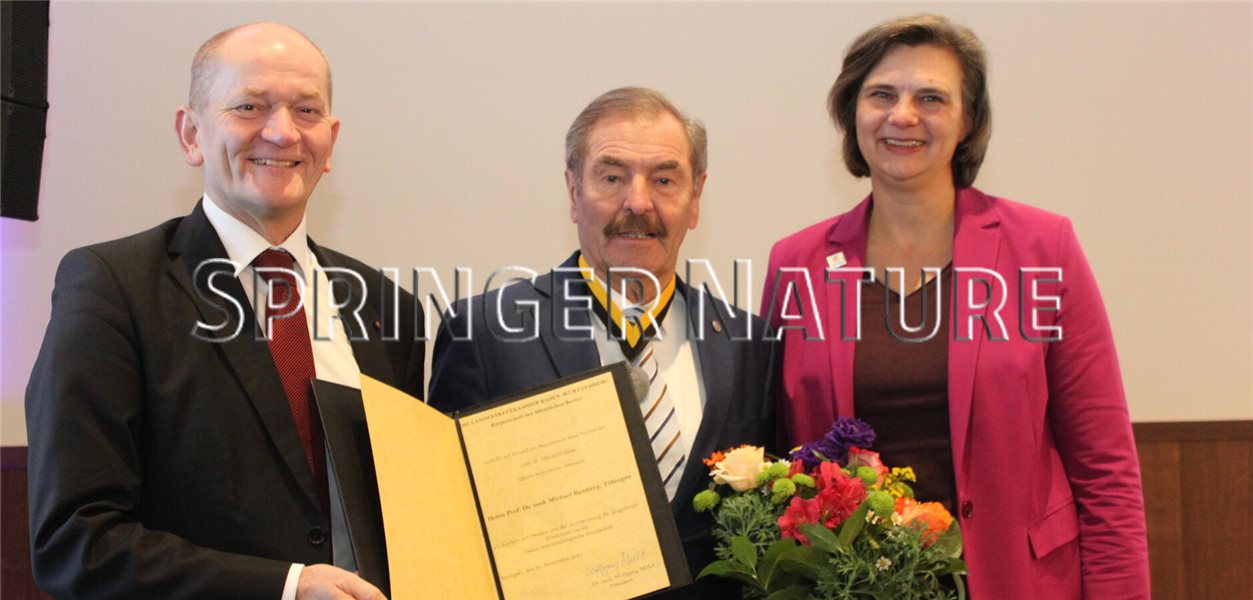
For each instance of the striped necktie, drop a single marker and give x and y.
(662, 423)
(293, 356)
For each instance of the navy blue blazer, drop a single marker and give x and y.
(500, 360)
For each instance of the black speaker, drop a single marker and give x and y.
(24, 95)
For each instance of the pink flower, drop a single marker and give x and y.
(865, 458)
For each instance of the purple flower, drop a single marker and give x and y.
(845, 433)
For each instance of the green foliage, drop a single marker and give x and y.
(743, 552)
(949, 543)
(852, 562)
(764, 576)
(768, 571)
(805, 561)
(821, 538)
(750, 516)
(852, 527)
(890, 566)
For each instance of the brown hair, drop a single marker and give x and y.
(631, 102)
(917, 30)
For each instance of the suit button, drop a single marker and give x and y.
(968, 508)
(317, 536)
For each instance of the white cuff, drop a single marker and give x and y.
(293, 578)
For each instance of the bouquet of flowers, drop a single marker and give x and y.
(831, 521)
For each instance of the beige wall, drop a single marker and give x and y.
(1133, 119)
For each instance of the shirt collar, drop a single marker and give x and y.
(243, 244)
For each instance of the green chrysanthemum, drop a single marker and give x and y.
(882, 503)
(783, 489)
(778, 469)
(706, 500)
(867, 475)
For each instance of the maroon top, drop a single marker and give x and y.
(901, 387)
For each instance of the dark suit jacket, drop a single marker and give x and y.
(163, 466)
(737, 375)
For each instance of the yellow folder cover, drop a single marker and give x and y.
(542, 496)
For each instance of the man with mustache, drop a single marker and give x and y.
(635, 169)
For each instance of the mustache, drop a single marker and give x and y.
(633, 223)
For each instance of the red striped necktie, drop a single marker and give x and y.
(293, 356)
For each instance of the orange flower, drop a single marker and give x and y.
(930, 518)
(719, 455)
(714, 458)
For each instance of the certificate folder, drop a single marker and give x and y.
(349, 456)
(551, 493)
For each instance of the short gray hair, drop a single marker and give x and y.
(632, 102)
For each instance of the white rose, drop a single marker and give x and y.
(740, 467)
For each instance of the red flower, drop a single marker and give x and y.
(799, 512)
(839, 497)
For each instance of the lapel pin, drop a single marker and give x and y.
(717, 326)
(836, 260)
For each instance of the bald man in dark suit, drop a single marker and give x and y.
(172, 453)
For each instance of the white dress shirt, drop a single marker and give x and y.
(333, 359)
(677, 359)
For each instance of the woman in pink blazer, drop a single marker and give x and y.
(1007, 400)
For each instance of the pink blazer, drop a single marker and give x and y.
(1046, 469)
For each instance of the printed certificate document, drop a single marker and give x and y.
(552, 493)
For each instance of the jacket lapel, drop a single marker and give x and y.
(194, 243)
(576, 353)
(849, 238)
(714, 354)
(976, 241)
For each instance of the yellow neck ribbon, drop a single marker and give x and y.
(635, 328)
